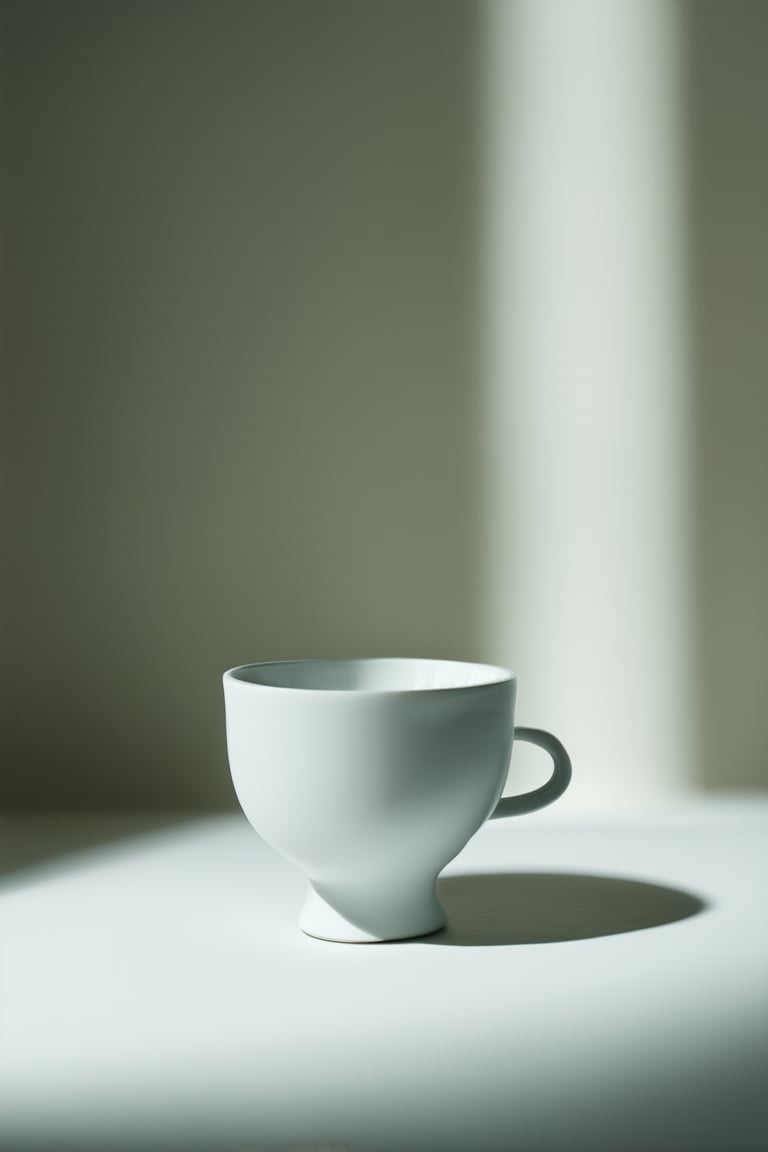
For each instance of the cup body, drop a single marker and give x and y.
(369, 776)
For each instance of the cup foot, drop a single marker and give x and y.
(321, 920)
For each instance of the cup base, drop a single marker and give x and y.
(320, 920)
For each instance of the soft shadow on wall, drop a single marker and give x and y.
(244, 380)
(728, 194)
(240, 309)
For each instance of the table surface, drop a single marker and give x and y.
(602, 985)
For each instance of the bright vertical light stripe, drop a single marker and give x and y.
(585, 383)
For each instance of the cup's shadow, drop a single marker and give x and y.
(549, 907)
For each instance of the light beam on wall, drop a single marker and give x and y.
(585, 436)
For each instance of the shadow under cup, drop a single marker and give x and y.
(370, 775)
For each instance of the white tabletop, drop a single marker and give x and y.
(602, 985)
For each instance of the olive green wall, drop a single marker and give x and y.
(242, 379)
(239, 367)
(728, 197)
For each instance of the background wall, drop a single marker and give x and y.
(245, 379)
(728, 158)
(587, 390)
(239, 325)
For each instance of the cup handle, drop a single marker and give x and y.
(554, 787)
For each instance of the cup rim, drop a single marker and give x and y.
(491, 674)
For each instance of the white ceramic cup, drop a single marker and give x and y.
(371, 775)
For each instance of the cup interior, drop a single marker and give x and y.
(386, 674)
